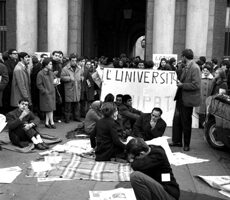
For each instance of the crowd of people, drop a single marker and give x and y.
(58, 88)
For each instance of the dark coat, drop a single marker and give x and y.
(87, 92)
(14, 123)
(34, 89)
(4, 80)
(20, 84)
(154, 165)
(106, 139)
(190, 92)
(142, 127)
(45, 84)
(217, 84)
(129, 115)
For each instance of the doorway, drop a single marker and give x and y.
(111, 27)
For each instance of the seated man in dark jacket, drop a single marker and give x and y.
(150, 125)
(22, 126)
(129, 115)
(152, 177)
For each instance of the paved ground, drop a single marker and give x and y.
(24, 188)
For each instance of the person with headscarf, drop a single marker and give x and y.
(92, 116)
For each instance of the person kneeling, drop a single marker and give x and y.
(22, 126)
(153, 177)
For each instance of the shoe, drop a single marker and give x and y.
(45, 145)
(47, 126)
(186, 148)
(77, 120)
(175, 144)
(52, 126)
(39, 146)
(66, 121)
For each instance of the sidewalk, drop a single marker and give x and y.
(24, 188)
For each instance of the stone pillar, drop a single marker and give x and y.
(26, 25)
(163, 26)
(75, 27)
(149, 30)
(57, 25)
(197, 26)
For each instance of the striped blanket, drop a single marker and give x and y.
(73, 166)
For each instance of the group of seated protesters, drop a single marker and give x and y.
(111, 124)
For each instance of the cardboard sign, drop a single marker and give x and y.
(157, 58)
(148, 88)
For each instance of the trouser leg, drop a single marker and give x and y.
(76, 110)
(146, 188)
(177, 126)
(67, 110)
(186, 115)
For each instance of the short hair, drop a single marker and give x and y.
(46, 61)
(125, 98)
(42, 55)
(225, 62)
(158, 110)
(207, 66)
(119, 95)
(215, 61)
(10, 51)
(203, 58)
(149, 64)
(60, 52)
(136, 145)
(109, 98)
(55, 52)
(23, 99)
(108, 108)
(72, 55)
(172, 60)
(188, 53)
(22, 55)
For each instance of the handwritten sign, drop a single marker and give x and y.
(157, 58)
(148, 88)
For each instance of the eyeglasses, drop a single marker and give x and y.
(25, 104)
(15, 53)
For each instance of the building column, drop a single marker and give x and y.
(197, 26)
(26, 25)
(57, 25)
(75, 27)
(163, 26)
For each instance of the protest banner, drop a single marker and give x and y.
(157, 58)
(148, 88)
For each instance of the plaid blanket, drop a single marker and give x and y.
(73, 166)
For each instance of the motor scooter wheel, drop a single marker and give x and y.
(211, 135)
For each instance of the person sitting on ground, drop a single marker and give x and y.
(22, 125)
(105, 137)
(153, 176)
(150, 125)
(128, 113)
(92, 116)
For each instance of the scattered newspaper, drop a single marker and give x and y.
(7, 175)
(221, 183)
(183, 159)
(116, 194)
(2, 122)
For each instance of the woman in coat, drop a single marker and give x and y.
(45, 84)
(93, 115)
(105, 137)
(219, 85)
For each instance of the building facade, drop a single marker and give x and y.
(110, 27)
